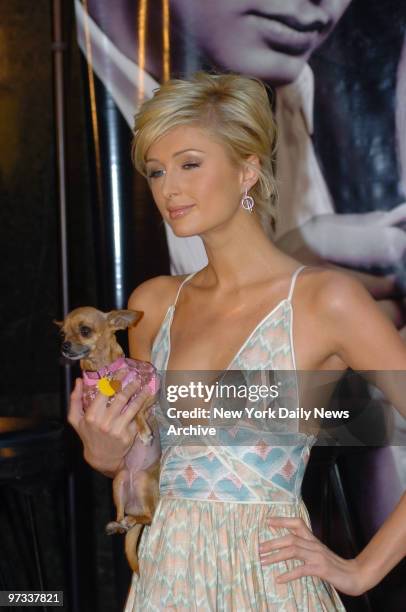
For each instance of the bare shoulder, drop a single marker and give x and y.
(335, 292)
(333, 307)
(153, 298)
(342, 306)
(354, 326)
(152, 292)
(332, 298)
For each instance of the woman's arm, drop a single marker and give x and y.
(152, 298)
(108, 433)
(386, 549)
(363, 337)
(358, 332)
(350, 576)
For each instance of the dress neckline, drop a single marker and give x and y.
(172, 309)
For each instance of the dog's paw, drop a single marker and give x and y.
(123, 526)
(146, 438)
(116, 527)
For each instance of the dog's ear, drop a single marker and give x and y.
(121, 319)
(58, 323)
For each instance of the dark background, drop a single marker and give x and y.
(355, 79)
(31, 288)
(31, 298)
(31, 295)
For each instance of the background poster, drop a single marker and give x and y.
(337, 69)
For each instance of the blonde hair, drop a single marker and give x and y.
(234, 108)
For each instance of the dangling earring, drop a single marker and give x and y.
(247, 201)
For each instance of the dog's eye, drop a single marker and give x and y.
(85, 331)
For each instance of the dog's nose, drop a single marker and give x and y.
(66, 346)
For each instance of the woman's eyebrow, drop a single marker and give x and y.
(185, 151)
(174, 155)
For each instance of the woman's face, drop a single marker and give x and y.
(194, 184)
(270, 39)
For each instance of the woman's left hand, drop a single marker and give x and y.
(317, 559)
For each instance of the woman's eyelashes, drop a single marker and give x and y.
(190, 165)
(154, 174)
(158, 173)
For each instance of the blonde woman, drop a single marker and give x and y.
(206, 147)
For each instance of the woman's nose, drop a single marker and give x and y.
(170, 186)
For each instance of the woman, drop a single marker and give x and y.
(206, 146)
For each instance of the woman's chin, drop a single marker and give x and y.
(185, 232)
(184, 228)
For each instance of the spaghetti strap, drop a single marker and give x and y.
(185, 280)
(293, 281)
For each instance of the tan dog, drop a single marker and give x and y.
(89, 336)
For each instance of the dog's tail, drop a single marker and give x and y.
(131, 544)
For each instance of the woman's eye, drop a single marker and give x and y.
(191, 165)
(154, 173)
(158, 173)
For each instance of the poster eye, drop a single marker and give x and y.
(85, 331)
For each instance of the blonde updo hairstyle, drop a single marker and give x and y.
(235, 109)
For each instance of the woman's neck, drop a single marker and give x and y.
(237, 255)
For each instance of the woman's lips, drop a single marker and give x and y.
(286, 36)
(174, 213)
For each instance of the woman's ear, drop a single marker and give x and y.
(250, 171)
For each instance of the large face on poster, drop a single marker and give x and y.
(271, 39)
(337, 69)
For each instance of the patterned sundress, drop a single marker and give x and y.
(201, 551)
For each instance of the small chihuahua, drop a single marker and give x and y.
(89, 336)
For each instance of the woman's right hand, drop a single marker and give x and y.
(107, 433)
